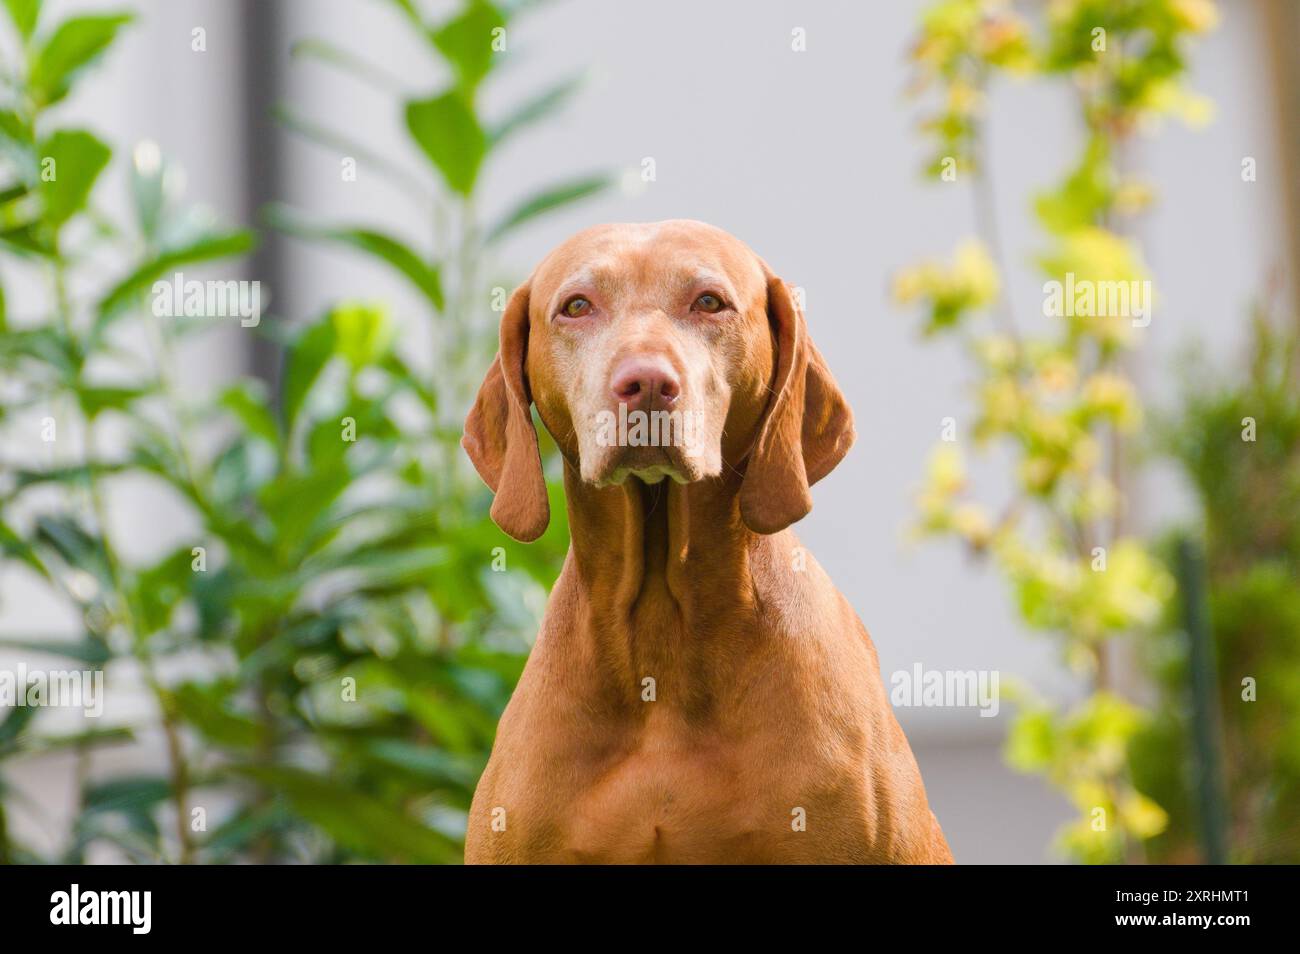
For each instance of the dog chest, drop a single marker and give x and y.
(669, 801)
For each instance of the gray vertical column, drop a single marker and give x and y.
(262, 84)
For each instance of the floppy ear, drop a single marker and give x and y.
(499, 434)
(808, 428)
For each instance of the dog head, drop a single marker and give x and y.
(652, 352)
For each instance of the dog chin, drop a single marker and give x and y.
(647, 475)
(649, 468)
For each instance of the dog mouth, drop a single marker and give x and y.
(650, 465)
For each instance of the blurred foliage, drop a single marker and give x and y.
(1056, 394)
(328, 669)
(1249, 498)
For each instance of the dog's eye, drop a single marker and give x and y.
(576, 307)
(710, 304)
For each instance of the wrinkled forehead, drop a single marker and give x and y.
(623, 262)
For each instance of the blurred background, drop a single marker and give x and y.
(307, 634)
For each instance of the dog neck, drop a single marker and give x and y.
(637, 543)
(666, 572)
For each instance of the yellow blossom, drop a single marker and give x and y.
(973, 524)
(1197, 16)
(1057, 373)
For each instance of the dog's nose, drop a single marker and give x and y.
(645, 382)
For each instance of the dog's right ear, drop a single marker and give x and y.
(499, 434)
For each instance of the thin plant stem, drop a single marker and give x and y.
(178, 770)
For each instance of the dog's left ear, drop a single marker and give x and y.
(499, 434)
(808, 428)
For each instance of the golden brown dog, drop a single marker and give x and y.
(699, 691)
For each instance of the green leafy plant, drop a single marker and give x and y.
(1057, 395)
(348, 621)
(1236, 438)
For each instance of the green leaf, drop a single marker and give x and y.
(548, 200)
(1083, 197)
(450, 135)
(249, 405)
(24, 13)
(1033, 742)
(90, 651)
(130, 796)
(242, 830)
(395, 365)
(209, 247)
(466, 41)
(14, 129)
(11, 195)
(363, 333)
(77, 160)
(77, 474)
(326, 52)
(355, 820)
(74, 45)
(75, 546)
(12, 725)
(205, 708)
(392, 173)
(408, 8)
(90, 738)
(308, 355)
(18, 150)
(25, 240)
(425, 277)
(15, 546)
(45, 343)
(95, 400)
(295, 503)
(394, 567)
(430, 764)
(535, 109)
